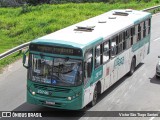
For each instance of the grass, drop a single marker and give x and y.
(19, 25)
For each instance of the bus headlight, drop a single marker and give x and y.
(73, 97)
(69, 98)
(33, 93)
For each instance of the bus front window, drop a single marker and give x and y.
(56, 71)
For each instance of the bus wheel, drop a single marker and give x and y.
(133, 66)
(157, 76)
(95, 96)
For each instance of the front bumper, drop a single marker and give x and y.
(74, 104)
(58, 96)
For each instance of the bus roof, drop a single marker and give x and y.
(95, 29)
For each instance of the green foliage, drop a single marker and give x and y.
(146, 0)
(25, 8)
(157, 1)
(125, 1)
(23, 24)
(111, 1)
(14, 3)
(36, 2)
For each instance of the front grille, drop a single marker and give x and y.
(51, 88)
(62, 90)
(54, 92)
(43, 87)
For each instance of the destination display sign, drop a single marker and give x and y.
(56, 50)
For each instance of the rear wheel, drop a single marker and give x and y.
(157, 76)
(95, 96)
(133, 66)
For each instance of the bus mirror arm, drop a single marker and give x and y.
(24, 59)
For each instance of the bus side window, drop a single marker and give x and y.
(149, 26)
(132, 35)
(127, 34)
(120, 46)
(146, 25)
(144, 29)
(128, 38)
(124, 40)
(139, 32)
(88, 65)
(114, 45)
(106, 51)
(98, 55)
(136, 34)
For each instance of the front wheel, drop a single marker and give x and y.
(95, 96)
(133, 66)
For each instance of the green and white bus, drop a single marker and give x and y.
(67, 69)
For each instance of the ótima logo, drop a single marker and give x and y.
(119, 61)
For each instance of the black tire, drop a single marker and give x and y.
(157, 77)
(95, 97)
(133, 66)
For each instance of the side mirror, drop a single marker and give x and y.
(24, 59)
(158, 56)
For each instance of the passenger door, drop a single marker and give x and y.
(88, 68)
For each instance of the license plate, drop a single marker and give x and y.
(50, 103)
(43, 92)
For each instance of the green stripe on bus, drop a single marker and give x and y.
(98, 74)
(140, 43)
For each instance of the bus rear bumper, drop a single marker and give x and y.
(75, 104)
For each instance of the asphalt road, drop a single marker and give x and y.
(140, 92)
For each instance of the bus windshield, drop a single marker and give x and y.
(55, 71)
